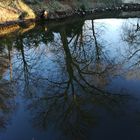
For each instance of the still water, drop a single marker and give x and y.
(73, 81)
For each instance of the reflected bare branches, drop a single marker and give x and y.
(131, 32)
(131, 36)
(72, 86)
(64, 73)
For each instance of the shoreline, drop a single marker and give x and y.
(128, 7)
(22, 27)
(79, 13)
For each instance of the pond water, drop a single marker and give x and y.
(78, 80)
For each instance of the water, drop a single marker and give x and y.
(75, 80)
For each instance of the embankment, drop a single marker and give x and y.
(14, 11)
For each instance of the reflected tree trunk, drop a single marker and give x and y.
(97, 47)
(68, 59)
(10, 63)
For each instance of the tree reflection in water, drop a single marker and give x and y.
(7, 93)
(73, 91)
(63, 73)
(7, 104)
(131, 36)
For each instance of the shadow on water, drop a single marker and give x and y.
(65, 77)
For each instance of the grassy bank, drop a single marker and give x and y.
(12, 10)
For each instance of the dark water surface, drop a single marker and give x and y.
(72, 81)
